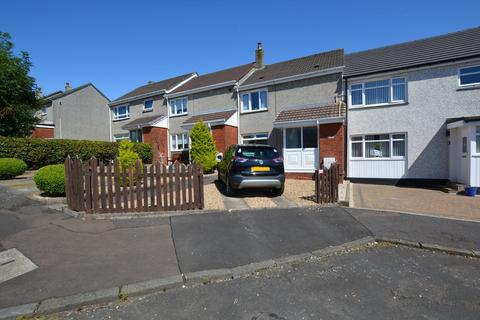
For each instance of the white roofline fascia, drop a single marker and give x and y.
(201, 89)
(377, 74)
(147, 124)
(296, 123)
(47, 126)
(461, 123)
(292, 78)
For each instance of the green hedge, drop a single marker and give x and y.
(11, 167)
(51, 179)
(40, 152)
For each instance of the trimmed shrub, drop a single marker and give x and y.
(11, 167)
(41, 152)
(127, 157)
(51, 180)
(203, 151)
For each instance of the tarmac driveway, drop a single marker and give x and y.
(415, 200)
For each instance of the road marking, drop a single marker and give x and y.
(14, 264)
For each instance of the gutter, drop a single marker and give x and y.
(296, 123)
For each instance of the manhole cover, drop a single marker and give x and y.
(13, 264)
(267, 316)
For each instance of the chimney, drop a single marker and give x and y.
(149, 82)
(67, 86)
(259, 56)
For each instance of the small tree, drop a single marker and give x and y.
(18, 100)
(127, 157)
(202, 150)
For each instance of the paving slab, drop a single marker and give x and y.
(377, 283)
(216, 241)
(441, 231)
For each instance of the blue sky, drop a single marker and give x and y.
(119, 45)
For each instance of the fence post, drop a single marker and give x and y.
(200, 188)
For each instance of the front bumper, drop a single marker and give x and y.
(246, 182)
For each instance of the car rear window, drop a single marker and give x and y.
(257, 152)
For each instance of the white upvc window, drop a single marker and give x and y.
(469, 76)
(255, 138)
(178, 106)
(121, 112)
(148, 105)
(120, 137)
(378, 92)
(378, 146)
(255, 101)
(179, 142)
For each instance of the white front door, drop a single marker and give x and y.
(300, 150)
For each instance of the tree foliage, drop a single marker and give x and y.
(203, 151)
(18, 91)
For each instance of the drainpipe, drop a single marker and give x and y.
(238, 112)
(110, 122)
(168, 130)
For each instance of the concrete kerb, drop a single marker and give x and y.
(434, 247)
(17, 311)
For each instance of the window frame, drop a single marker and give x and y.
(139, 134)
(255, 137)
(363, 141)
(390, 92)
(176, 135)
(178, 114)
(459, 73)
(127, 114)
(147, 109)
(125, 136)
(249, 93)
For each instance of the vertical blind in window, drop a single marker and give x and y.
(469, 76)
(378, 92)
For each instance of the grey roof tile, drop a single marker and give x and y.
(143, 122)
(312, 63)
(213, 116)
(444, 48)
(155, 86)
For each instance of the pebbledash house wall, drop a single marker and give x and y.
(318, 91)
(82, 114)
(433, 95)
(136, 111)
(215, 100)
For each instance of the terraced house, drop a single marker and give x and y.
(414, 110)
(296, 106)
(141, 115)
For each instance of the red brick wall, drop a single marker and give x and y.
(46, 133)
(158, 138)
(224, 136)
(332, 143)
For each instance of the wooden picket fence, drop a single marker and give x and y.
(326, 184)
(96, 187)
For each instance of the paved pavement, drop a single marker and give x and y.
(214, 241)
(416, 200)
(379, 283)
(446, 232)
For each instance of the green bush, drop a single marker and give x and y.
(203, 151)
(51, 179)
(41, 152)
(11, 167)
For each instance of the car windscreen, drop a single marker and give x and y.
(257, 152)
